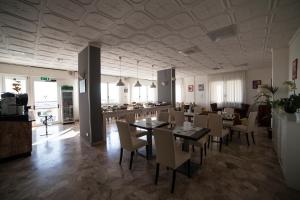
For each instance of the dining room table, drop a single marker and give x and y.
(188, 133)
(148, 124)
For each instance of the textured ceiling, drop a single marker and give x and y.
(51, 33)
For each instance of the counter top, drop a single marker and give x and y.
(16, 118)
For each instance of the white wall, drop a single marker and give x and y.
(263, 74)
(294, 52)
(280, 63)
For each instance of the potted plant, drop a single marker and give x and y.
(292, 103)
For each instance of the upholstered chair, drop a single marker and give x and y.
(215, 124)
(163, 116)
(201, 121)
(197, 109)
(172, 116)
(179, 118)
(168, 154)
(250, 128)
(130, 118)
(128, 142)
(229, 110)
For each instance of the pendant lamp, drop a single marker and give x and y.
(153, 84)
(120, 83)
(137, 84)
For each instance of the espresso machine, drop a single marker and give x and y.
(13, 104)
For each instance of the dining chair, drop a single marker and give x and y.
(201, 121)
(229, 110)
(179, 118)
(168, 154)
(249, 128)
(128, 142)
(130, 118)
(197, 109)
(215, 124)
(163, 116)
(172, 116)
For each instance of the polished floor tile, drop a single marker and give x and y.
(62, 166)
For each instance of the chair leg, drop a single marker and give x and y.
(121, 155)
(209, 139)
(239, 135)
(157, 173)
(201, 155)
(147, 150)
(227, 139)
(193, 148)
(189, 168)
(173, 180)
(221, 141)
(131, 158)
(252, 134)
(247, 139)
(205, 149)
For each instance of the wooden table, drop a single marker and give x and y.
(189, 132)
(149, 126)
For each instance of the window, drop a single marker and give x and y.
(135, 96)
(151, 94)
(178, 93)
(104, 94)
(227, 89)
(9, 81)
(113, 93)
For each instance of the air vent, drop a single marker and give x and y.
(217, 68)
(222, 33)
(190, 51)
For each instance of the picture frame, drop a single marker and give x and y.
(294, 69)
(190, 88)
(200, 87)
(255, 84)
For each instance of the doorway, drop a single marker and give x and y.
(46, 101)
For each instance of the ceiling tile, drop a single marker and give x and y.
(114, 8)
(162, 9)
(18, 23)
(109, 39)
(87, 32)
(97, 21)
(121, 31)
(139, 20)
(217, 22)
(19, 8)
(254, 9)
(58, 22)
(180, 21)
(191, 32)
(140, 39)
(19, 34)
(66, 8)
(53, 33)
(157, 31)
(208, 8)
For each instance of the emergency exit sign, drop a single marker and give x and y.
(44, 78)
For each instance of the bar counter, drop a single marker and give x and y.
(15, 136)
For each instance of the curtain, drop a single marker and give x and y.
(228, 89)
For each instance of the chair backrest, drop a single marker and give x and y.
(214, 106)
(197, 109)
(215, 124)
(252, 122)
(163, 116)
(124, 135)
(130, 118)
(179, 118)
(165, 147)
(229, 110)
(172, 114)
(201, 121)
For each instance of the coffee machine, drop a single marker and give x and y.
(13, 104)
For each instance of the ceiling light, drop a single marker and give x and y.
(137, 75)
(152, 85)
(120, 83)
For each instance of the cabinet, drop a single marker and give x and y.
(67, 105)
(286, 140)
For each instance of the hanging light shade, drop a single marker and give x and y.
(137, 84)
(153, 84)
(120, 83)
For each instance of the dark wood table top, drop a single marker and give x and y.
(188, 131)
(149, 125)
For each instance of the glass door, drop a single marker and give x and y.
(46, 101)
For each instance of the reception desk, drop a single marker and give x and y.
(286, 140)
(15, 136)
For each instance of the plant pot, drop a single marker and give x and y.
(289, 107)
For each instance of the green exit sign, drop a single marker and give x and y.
(44, 78)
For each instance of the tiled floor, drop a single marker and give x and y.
(65, 167)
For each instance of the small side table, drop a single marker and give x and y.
(45, 122)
